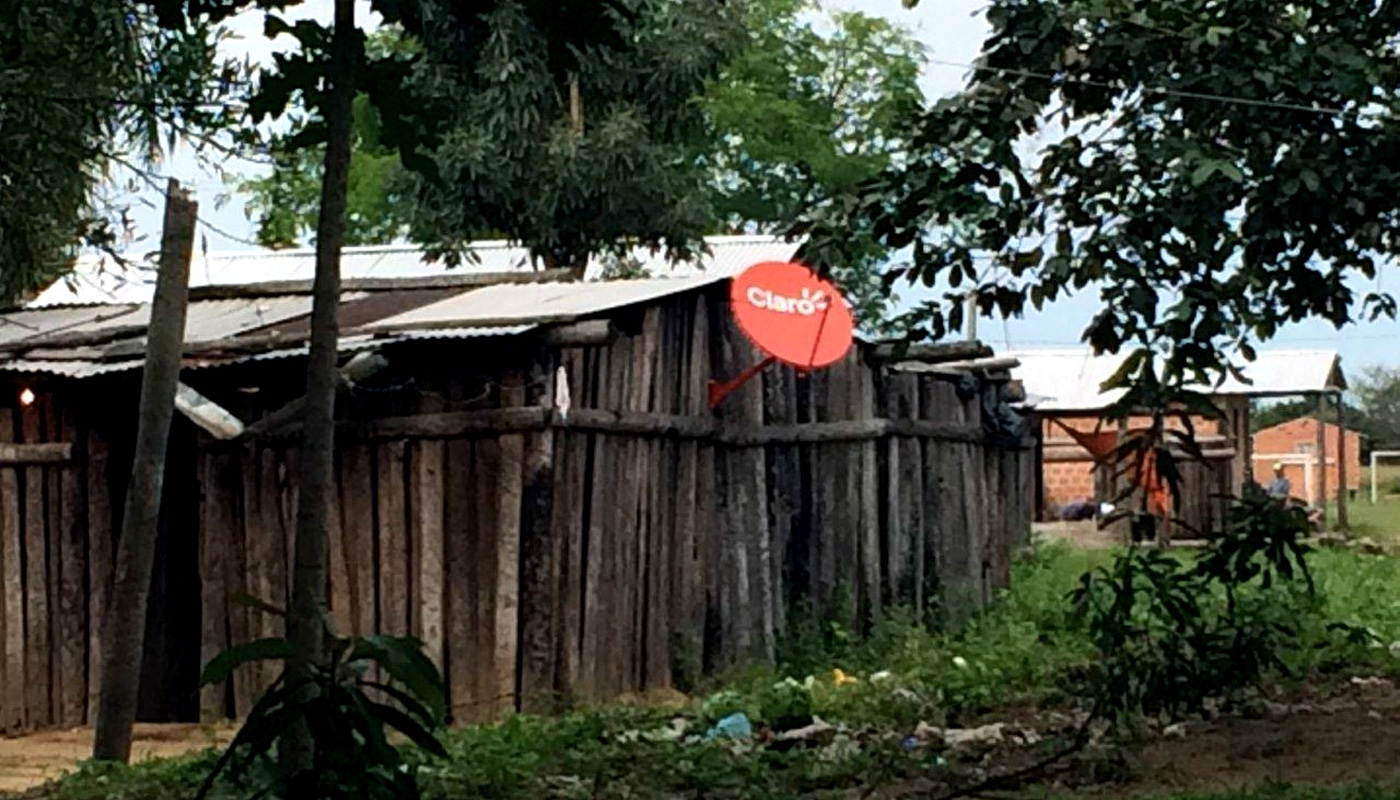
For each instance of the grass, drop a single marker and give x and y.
(1016, 654)
(1380, 521)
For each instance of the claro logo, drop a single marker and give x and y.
(808, 304)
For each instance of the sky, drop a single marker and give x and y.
(952, 30)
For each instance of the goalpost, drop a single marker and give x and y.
(1376, 456)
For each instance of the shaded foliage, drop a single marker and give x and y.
(806, 108)
(348, 713)
(568, 156)
(87, 88)
(1213, 171)
(1164, 646)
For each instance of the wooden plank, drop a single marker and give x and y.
(216, 523)
(278, 565)
(259, 556)
(747, 559)
(784, 493)
(12, 692)
(71, 702)
(238, 580)
(38, 653)
(598, 488)
(459, 619)
(538, 582)
(630, 531)
(99, 554)
(687, 577)
(487, 479)
(338, 558)
(506, 608)
(908, 476)
(569, 518)
(357, 492)
(869, 532)
(36, 453)
(844, 517)
(428, 551)
(391, 523)
(937, 498)
(53, 538)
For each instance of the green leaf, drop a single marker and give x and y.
(221, 666)
(401, 722)
(403, 659)
(1202, 173)
(1311, 180)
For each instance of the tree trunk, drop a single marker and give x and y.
(123, 635)
(305, 620)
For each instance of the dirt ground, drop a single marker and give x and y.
(28, 761)
(1349, 738)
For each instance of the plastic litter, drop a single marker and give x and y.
(735, 727)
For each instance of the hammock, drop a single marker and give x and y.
(1102, 444)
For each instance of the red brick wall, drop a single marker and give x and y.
(1068, 481)
(1289, 437)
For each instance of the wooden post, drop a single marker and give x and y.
(1341, 465)
(124, 635)
(1246, 443)
(1320, 488)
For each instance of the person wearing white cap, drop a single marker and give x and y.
(1279, 488)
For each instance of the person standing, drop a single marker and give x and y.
(1279, 488)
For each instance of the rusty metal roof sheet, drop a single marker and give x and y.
(535, 303)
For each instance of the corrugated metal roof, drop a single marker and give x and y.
(16, 326)
(1064, 380)
(101, 281)
(209, 320)
(506, 304)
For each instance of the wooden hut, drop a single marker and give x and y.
(531, 483)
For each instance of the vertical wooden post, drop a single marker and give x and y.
(1341, 464)
(1320, 488)
(124, 634)
(1246, 443)
(12, 693)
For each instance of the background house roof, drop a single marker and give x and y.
(1071, 379)
(99, 280)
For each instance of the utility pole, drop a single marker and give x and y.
(970, 316)
(124, 631)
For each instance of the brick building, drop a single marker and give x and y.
(1294, 444)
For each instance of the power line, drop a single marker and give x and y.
(1152, 90)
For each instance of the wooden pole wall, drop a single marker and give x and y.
(569, 561)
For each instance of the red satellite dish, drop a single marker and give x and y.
(792, 315)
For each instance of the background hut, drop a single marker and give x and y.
(1065, 388)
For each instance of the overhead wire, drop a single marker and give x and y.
(1151, 90)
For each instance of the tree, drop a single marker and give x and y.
(306, 615)
(285, 202)
(88, 88)
(1214, 171)
(809, 110)
(806, 109)
(570, 150)
(1378, 389)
